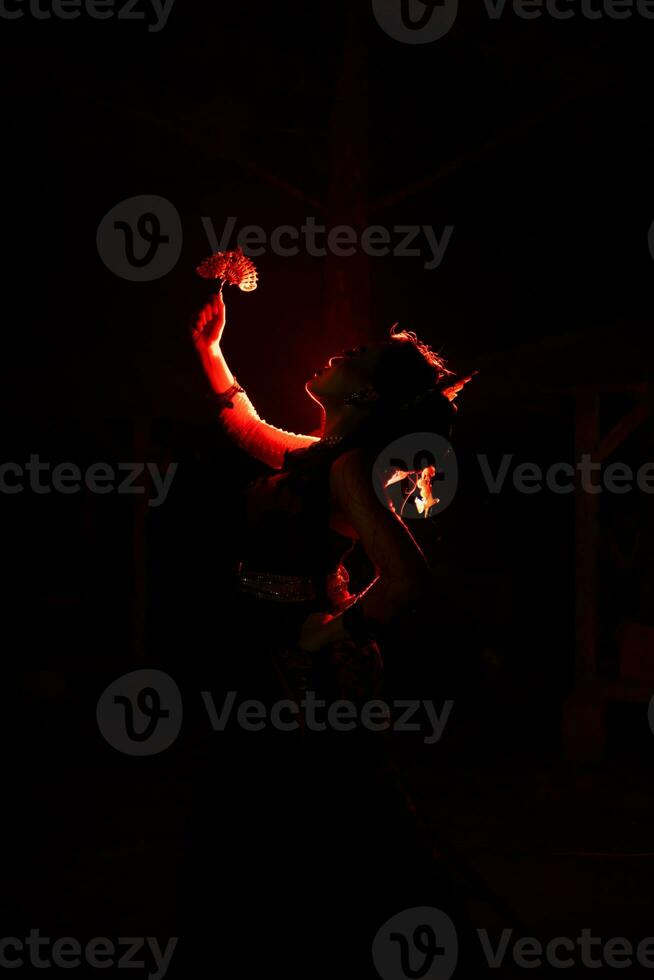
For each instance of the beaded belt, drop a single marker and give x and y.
(274, 587)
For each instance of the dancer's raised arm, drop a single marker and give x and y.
(238, 415)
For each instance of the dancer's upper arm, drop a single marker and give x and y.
(257, 437)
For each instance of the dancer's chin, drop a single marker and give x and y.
(312, 388)
(313, 384)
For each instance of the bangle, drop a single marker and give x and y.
(225, 397)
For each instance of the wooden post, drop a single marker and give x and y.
(347, 278)
(584, 717)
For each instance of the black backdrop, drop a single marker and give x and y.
(533, 140)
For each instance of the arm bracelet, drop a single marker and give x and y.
(225, 397)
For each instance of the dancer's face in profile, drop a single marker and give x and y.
(345, 373)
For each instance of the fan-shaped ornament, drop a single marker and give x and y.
(234, 268)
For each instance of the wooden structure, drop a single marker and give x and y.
(581, 371)
(585, 710)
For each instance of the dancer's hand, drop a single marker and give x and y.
(210, 324)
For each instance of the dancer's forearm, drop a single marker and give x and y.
(217, 369)
(238, 415)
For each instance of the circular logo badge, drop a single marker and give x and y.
(417, 475)
(141, 712)
(420, 942)
(140, 239)
(415, 21)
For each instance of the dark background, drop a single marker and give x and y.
(533, 139)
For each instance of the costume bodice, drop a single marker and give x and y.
(286, 524)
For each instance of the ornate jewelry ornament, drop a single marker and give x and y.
(330, 440)
(273, 586)
(234, 268)
(420, 480)
(224, 398)
(363, 397)
(369, 395)
(426, 500)
(450, 391)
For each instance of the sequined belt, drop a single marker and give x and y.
(275, 587)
